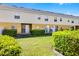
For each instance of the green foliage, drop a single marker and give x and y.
(10, 32)
(9, 46)
(66, 42)
(37, 32)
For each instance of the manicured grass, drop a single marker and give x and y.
(36, 46)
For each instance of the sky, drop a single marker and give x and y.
(64, 8)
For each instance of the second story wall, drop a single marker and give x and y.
(16, 16)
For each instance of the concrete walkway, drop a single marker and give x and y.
(57, 53)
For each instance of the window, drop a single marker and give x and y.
(60, 19)
(39, 18)
(46, 19)
(68, 21)
(72, 21)
(13, 27)
(17, 17)
(55, 19)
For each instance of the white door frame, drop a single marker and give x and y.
(27, 29)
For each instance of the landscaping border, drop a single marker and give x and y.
(57, 53)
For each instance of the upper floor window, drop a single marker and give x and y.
(39, 18)
(61, 19)
(68, 21)
(55, 19)
(72, 21)
(17, 17)
(46, 19)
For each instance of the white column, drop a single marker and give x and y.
(47, 29)
(1, 30)
(54, 29)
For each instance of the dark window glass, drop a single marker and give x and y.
(68, 21)
(60, 19)
(39, 18)
(55, 19)
(72, 21)
(17, 17)
(46, 19)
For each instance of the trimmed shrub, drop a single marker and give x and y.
(9, 46)
(10, 32)
(66, 42)
(37, 32)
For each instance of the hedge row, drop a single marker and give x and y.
(9, 46)
(10, 32)
(37, 32)
(66, 42)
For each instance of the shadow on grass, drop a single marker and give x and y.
(29, 36)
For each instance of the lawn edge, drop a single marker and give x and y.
(57, 53)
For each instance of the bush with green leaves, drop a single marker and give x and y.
(37, 32)
(9, 46)
(10, 32)
(66, 42)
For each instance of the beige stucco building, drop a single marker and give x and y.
(25, 19)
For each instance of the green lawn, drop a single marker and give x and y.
(36, 46)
